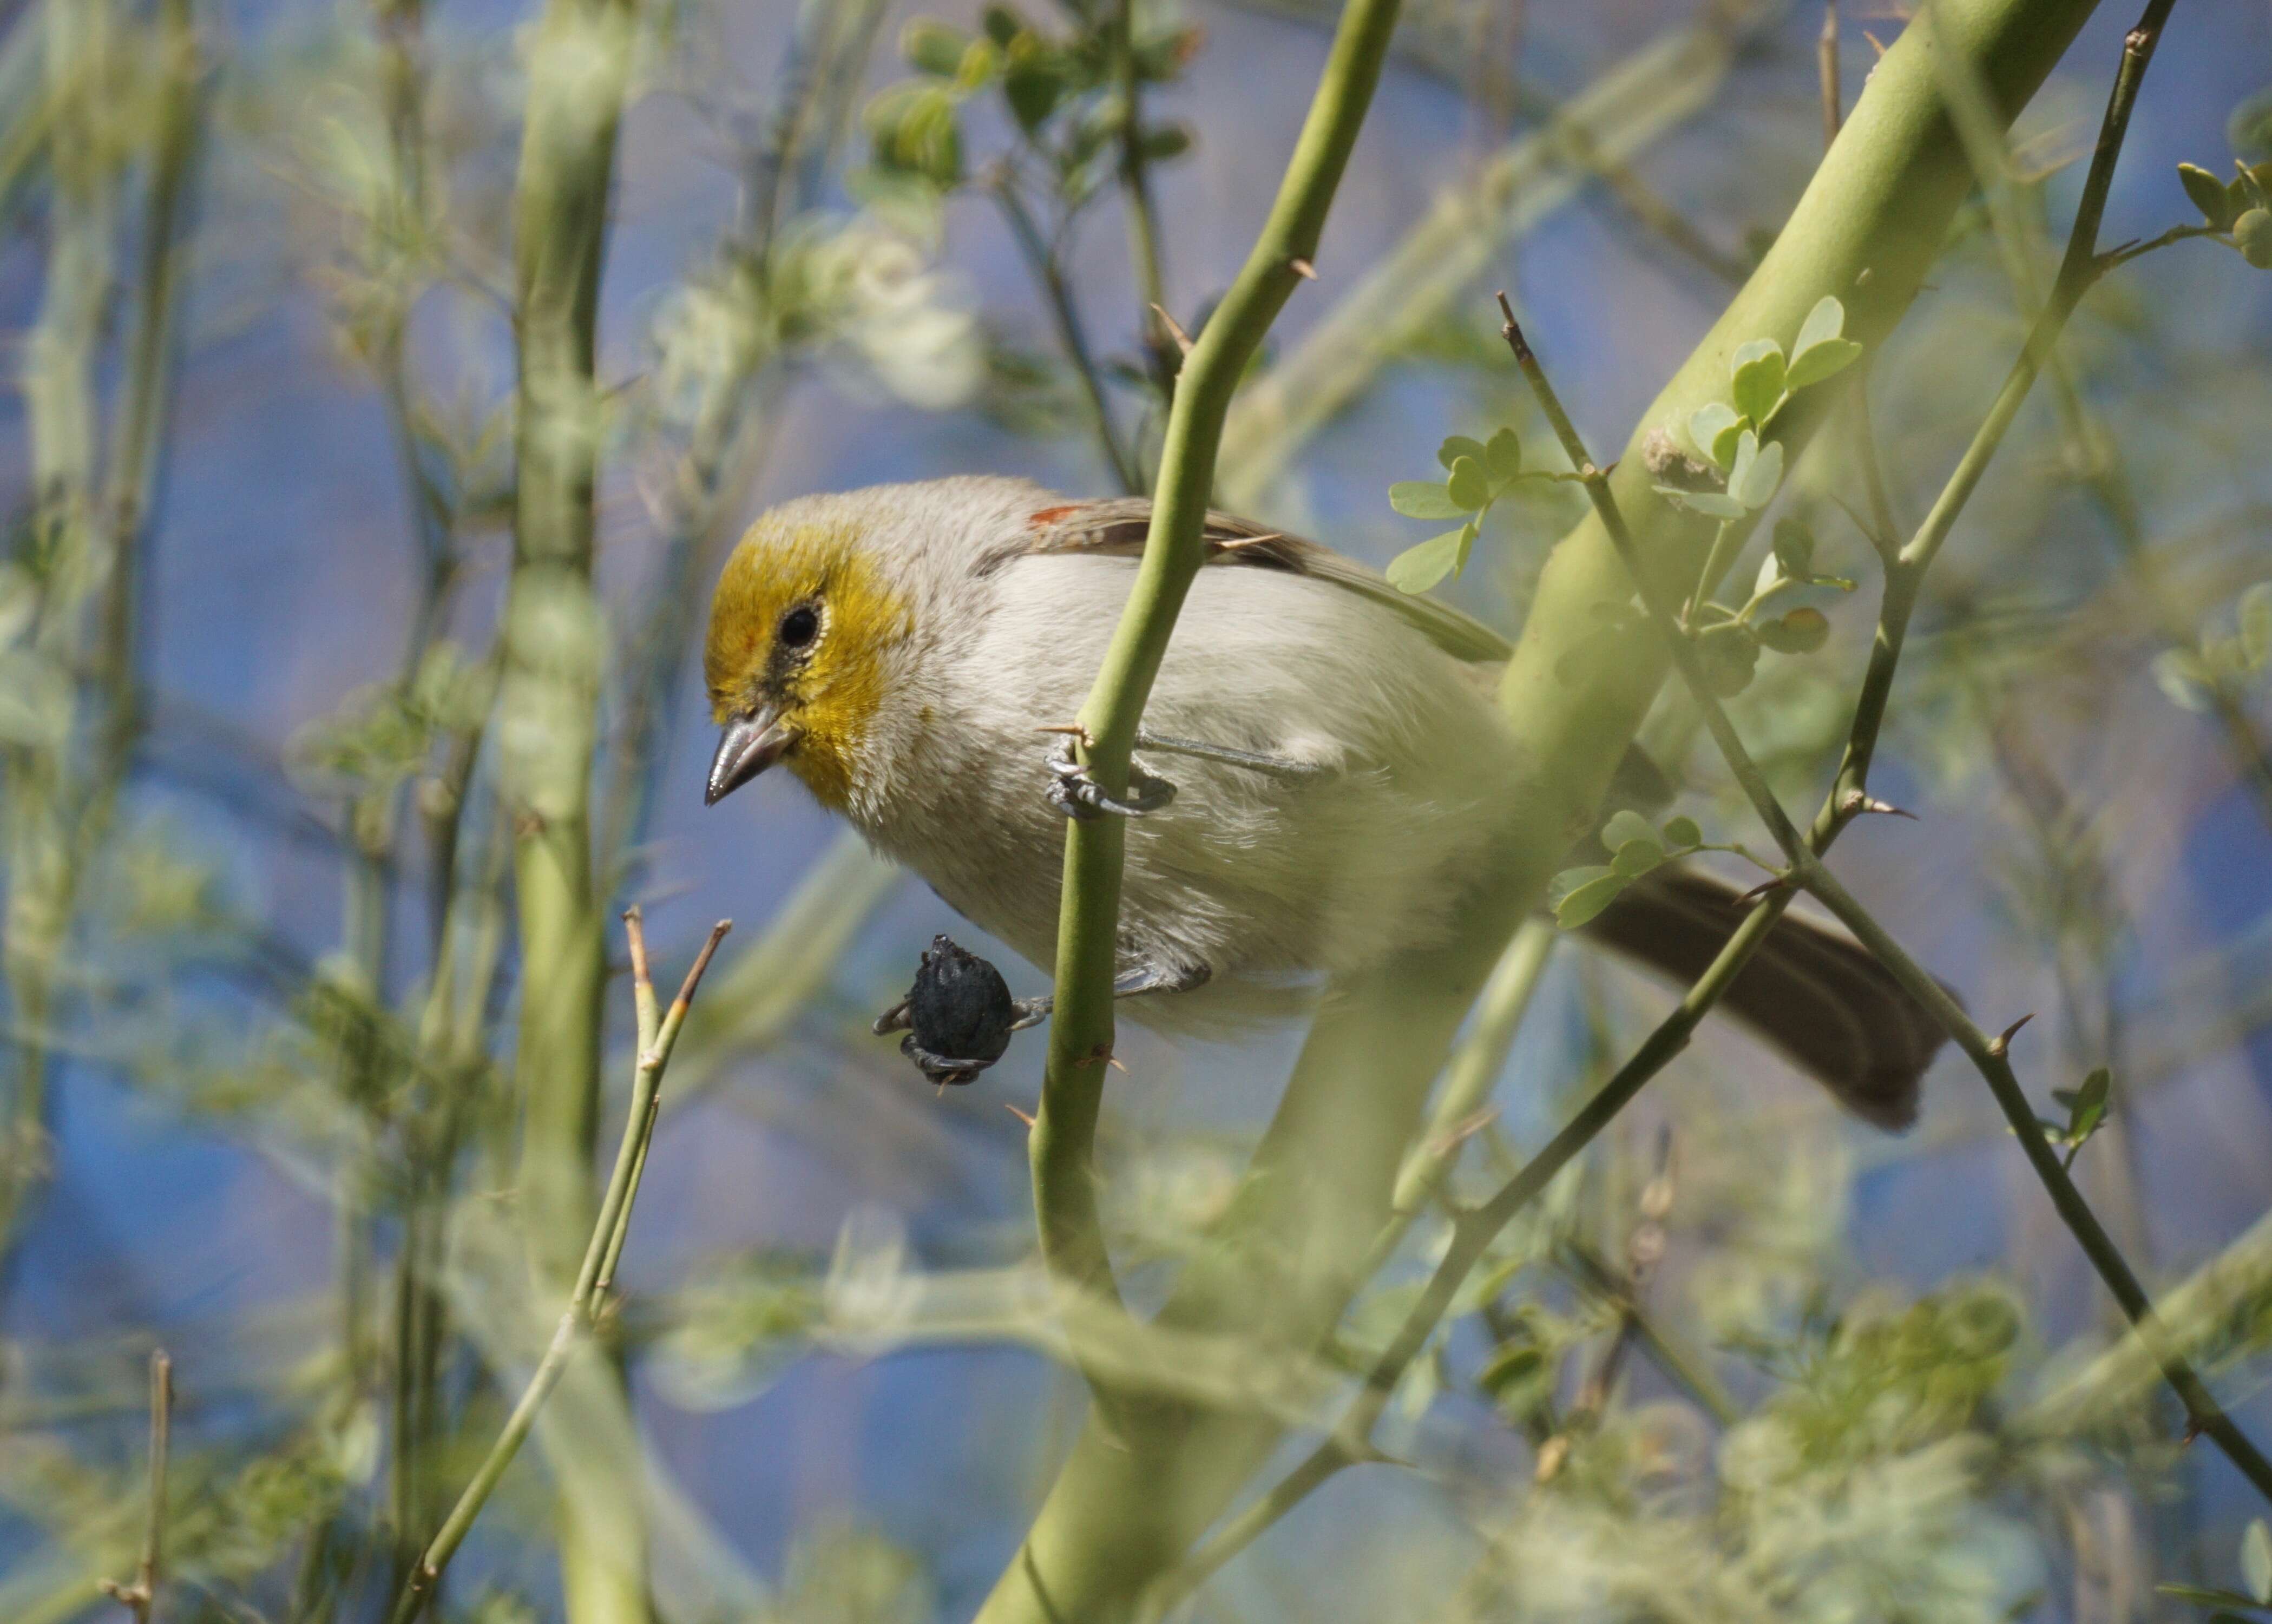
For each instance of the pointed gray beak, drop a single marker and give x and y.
(751, 743)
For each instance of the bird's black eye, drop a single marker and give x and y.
(799, 626)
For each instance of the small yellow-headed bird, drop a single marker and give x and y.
(1340, 770)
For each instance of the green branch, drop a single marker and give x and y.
(658, 1034)
(1081, 1033)
(140, 1597)
(579, 60)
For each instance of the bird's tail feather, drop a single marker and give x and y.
(1813, 994)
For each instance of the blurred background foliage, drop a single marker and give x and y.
(262, 963)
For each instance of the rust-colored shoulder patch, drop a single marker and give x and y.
(1048, 516)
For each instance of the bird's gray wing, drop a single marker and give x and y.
(1117, 528)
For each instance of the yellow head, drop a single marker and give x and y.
(800, 631)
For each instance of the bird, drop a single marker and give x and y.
(1322, 773)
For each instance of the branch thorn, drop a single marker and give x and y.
(1304, 269)
(2002, 1041)
(1175, 329)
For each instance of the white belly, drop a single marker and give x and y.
(1269, 881)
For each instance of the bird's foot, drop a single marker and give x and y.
(959, 1015)
(1074, 793)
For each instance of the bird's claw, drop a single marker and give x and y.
(1074, 793)
(940, 1068)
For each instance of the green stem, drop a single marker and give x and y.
(579, 59)
(609, 1227)
(1063, 1142)
(1081, 1032)
(1042, 261)
(1989, 1056)
(1159, 346)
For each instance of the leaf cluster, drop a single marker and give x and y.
(1061, 90)
(1477, 474)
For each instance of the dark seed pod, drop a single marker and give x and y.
(960, 1015)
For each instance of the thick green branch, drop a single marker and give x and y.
(579, 59)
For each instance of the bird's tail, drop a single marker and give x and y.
(1814, 995)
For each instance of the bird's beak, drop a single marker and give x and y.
(752, 743)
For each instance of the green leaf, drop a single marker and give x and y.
(1457, 447)
(2086, 1108)
(1033, 82)
(2182, 677)
(1570, 879)
(1759, 379)
(912, 126)
(2208, 195)
(1468, 484)
(1502, 458)
(979, 65)
(1801, 632)
(1417, 569)
(1827, 359)
(935, 47)
(1711, 504)
(1636, 857)
(1625, 827)
(2256, 1560)
(2252, 234)
(1826, 321)
(1581, 906)
(1730, 652)
(1423, 498)
(1757, 473)
(1160, 142)
(1794, 548)
(2256, 624)
(1682, 834)
(1713, 430)
(1003, 25)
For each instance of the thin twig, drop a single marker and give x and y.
(1073, 336)
(1159, 342)
(600, 1253)
(1643, 1247)
(141, 1597)
(1825, 55)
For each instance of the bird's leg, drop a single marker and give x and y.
(1077, 795)
(1133, 983)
